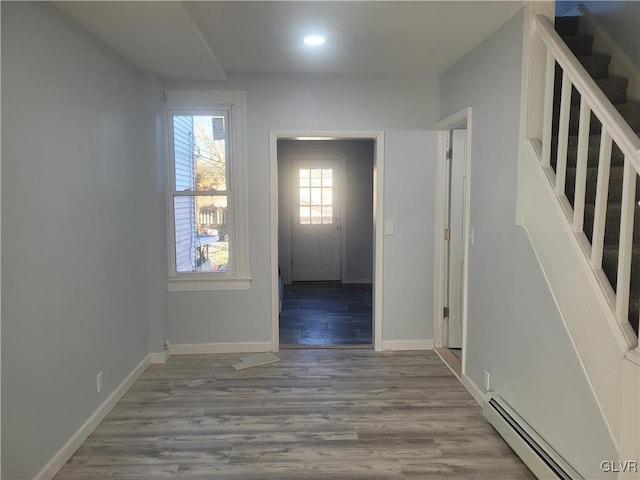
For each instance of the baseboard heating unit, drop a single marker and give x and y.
(542, 460)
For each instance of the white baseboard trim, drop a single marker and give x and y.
(159, 358)
(473, 389)
(399, 345)
(236, 347)
(68, 449)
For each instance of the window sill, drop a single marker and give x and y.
(208, 284)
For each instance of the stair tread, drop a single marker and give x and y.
(630, 112)
(597, 64)
(567, 25)
(610, 265)
(614, 87)
(580, 45)
(593, 152)
(616, 176)
(612, 223)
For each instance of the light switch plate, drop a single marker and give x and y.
(389, 228)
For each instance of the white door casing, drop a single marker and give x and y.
(457, 202)
(378, 214)
(317, 220)
(460, 120)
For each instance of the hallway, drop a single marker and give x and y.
(326, 314)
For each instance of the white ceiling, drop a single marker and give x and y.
(210, 39)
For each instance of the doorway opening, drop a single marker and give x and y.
(326, 254)
(452, 247)
(325, 242)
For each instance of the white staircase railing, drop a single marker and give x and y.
(614, 129)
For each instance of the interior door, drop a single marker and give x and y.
(457, 202)
(316, 219)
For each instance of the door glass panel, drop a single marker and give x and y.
(327, 177)
(316, 177)
(319, 197)
(316, 215)
(305, 215)
(304, 196)
(327, 196)
(304, 178)
(327, 215)
(316, 197)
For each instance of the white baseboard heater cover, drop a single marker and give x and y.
(542, 460)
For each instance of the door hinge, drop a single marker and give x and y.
(447, 234)
(449, 153)
(445, 312)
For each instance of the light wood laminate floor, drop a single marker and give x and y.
(316, 414)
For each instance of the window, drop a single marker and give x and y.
(316, 196)
(207, 204)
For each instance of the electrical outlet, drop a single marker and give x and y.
(99, 382)
(487, 381)
(166, 344)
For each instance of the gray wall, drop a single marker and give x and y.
(405, 108)
(73, 242)
(514, 329)
(358, 190)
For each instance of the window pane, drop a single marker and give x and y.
(327, 196)
(304, 196)
(200, 152)
(316, 215)
(316, 196)
(304, 177)
(327, 177)
(201, 233)
(327, 215)
(305, 215)
(316, 177)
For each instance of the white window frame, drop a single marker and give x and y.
(209, 102)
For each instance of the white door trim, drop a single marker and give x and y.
(458, 119)
(378, 231)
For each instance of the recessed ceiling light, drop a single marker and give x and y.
(314, 40)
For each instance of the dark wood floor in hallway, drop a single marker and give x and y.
(325, 414)
(326, 314)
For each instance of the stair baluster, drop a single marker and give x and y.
(581, 166)
(592, 196)
(563, 134)
(625, 248)
(602, 193)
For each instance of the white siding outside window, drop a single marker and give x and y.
(184, 206)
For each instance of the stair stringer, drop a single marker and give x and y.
(600, 343)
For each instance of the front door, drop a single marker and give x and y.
(316, 220)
